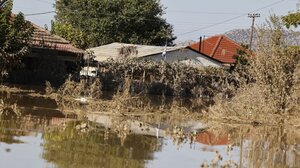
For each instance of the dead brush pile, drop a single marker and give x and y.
(164, 78)
(71, 92)
(133, 80)
(8, 110)
(124, 102)
(273, 95)
(123, 99)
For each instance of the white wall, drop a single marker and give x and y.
(186, 56)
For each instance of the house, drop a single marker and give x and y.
(51, 58)
(182, 54)
(218, 47)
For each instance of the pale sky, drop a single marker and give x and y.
(190, 18)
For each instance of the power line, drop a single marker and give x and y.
(227, 20)
(41, 13)
(203, 12)
(103, 14)
(196, 23)
(205, 27)
(212, 25)
(178, 22)
(44, 1)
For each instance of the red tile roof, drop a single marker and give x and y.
(218, 47)
(42, 38)
(209, 138)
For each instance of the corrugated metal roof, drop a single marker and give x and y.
(112, 51)
(218, 47)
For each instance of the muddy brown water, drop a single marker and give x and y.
(44, 137)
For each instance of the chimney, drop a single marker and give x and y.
(200, 44)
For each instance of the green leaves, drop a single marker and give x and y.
(89, 23)
(292, 18)
(14, 35)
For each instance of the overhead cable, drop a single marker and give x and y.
(41, 13)
(227, 20)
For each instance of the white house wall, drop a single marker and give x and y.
(186, 56)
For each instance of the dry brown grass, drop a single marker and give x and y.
(273, 93)
(13, 89)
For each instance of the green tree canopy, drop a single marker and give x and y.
(14, 35)
(89, 23)
(292, 18)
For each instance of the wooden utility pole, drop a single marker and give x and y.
(253, 16)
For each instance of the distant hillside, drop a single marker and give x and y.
(243, 36)
(185, 43)
(239, 35)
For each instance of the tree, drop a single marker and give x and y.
(240, 68)
(242, 55)
(292, 19)
(89, 23)
(14, 35)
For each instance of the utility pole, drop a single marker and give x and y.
(253, 16)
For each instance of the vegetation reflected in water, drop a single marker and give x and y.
(263, 146)
(131, 141)
(12, 127)
(97, 146)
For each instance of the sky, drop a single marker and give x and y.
(190, 18)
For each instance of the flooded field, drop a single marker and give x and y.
(44, 136)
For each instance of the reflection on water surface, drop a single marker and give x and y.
(42, 136)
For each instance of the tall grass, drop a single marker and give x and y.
(273, 93)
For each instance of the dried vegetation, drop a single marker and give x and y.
(8, 110)
(164, 78)
(272, 95)
(133, 82)
(264, 90)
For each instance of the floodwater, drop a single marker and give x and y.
(44, 137)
